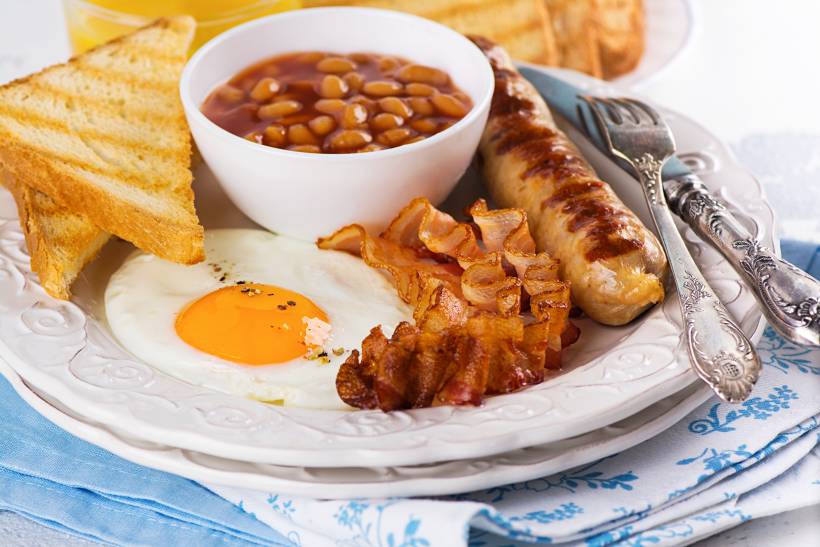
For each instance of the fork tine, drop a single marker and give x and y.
(612, 110)
(639, 116)
(582, 115)
(600, 120)
(651, 112)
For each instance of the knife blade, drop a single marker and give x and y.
(562, 97)
(789, 297)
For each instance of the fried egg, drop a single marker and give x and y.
(264, 317)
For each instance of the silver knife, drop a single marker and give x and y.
(789, 297)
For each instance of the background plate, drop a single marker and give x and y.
(64, 349)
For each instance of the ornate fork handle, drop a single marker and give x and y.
(790, 297)
(720, 353)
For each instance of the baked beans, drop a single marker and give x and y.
(318, 102)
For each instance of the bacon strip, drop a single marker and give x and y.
(470, 337)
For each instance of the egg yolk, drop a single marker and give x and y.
(251, 323)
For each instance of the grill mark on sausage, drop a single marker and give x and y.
(541, 149)
(546, 154)
(505, 101)
(601, 221)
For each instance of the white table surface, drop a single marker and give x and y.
(749, 74)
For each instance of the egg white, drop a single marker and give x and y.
(145, 295)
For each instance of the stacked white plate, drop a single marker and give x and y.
(620, 385)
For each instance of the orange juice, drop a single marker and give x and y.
(92, 22)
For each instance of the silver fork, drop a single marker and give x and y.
(718, 350)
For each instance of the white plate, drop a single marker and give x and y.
(64, 349)
(353, 482)
(670, 26)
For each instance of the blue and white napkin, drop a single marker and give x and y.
(695, 476)
(720, 466)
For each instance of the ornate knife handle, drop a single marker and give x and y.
(719, 351)
(790, 298)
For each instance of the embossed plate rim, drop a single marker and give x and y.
(87, 372)
(438, 479)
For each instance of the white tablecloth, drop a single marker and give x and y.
(749, 74)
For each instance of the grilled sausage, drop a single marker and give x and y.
(614, 264)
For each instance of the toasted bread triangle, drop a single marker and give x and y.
(60, 242)
(576, 36)
(620, 31)
(104, 136)
(523, 26)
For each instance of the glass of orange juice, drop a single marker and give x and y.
(92, 22)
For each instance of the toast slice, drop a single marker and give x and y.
(104, 135)
(621, 34)
(59, 242)
(522, 26)
(573, 22)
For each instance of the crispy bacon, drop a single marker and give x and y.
(468, 288)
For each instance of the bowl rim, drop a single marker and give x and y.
(193, 110)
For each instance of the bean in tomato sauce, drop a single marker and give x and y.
(324, 102)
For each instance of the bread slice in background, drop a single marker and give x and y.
(521, 26)
(576, 35)
(59, 242)
(104, 136)
(620, 28)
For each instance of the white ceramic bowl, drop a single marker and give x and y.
(310, 195)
